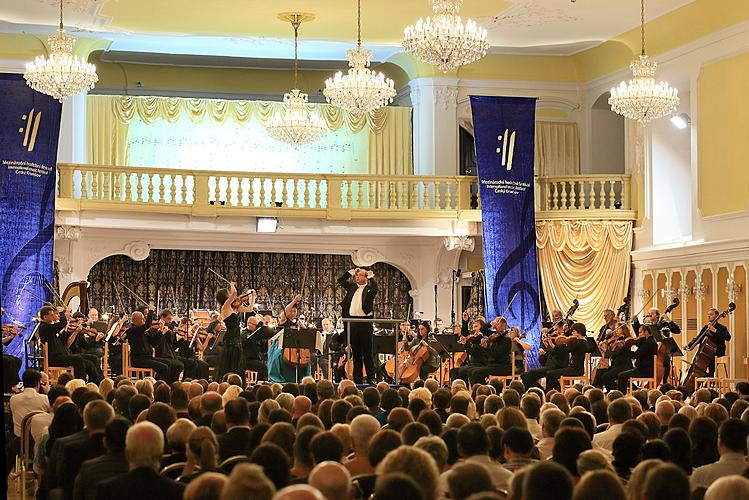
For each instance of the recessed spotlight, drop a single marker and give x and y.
(680, 120)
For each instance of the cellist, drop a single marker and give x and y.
(667, 329)
(646, 349)
(719, 334)
(432, 363)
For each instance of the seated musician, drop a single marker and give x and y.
(278, 369)
(519, 347)
(613, 347)
(439, 325)
(719, 334)
(551, 355)
(84, 340)
(212, 353)
(232, 355)
(164, 343)
(432, 363)
(255, 347)
(477, 356)
(556, 317)
(53, 322)
(662, 324)
(115, 331)
(331, 343)
(141, 352)
(498, 346)
(11, 364)
(190, 341)
(609, 326)
(646, 349)
(577, 347)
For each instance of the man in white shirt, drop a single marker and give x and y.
(732, 448)
(29, 400)
(618, 411)
(41, 421)
(550, 421)
(359, 304)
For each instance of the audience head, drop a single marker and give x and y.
(144, 444)
(416, 463)
(248, 481)
(332, 480)
(547, 481)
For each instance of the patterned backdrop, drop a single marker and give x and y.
(180, 279)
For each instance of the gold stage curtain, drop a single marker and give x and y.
(106, 139)
(391, 151)
(557, 149)
(587, 260)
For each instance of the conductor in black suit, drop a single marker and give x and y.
(359, 303)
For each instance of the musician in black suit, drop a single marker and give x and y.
(611, 320)
(141, 353)
(498, 347)
(576, 346)
(144, 445)
(667, 328)
(646, 349)
(719, 334)
(359, 303)
(53, 322)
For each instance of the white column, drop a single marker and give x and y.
(71, 147)
(435, 122)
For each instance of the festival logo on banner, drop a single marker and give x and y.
(29, 131)
(504, 135)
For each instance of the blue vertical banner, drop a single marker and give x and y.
(29, 131)
(504, 135)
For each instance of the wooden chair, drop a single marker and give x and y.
(131, 372)
(364, 485)
(565, 382)
(228, 465)
(53, 372)
(173, 471)
(651, 382)
(505, 379)
(25, 461)
(250, 377)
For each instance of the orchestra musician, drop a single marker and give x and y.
(432, 363)
(53, 322)
(232, 354)
(212, 354)
(719, 334)
(11, 364)
(141, 353)
(359, 303)
(164, 341)
(255, 347)
(576, 346)
(613, 347)
(498, 347)
(477, 356)
(519, 346)
(552, 356)
(331, 342)
(663, 324)
(609, 316)
(278, 370)
(190, 341)
(643, 356)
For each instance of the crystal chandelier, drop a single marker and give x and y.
(62, 75)
(298, 125)
(444, 41)
(361, 90)
(643, 99)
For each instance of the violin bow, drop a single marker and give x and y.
(135, 295)
(509, 304)
(646, 303)
(221, 277)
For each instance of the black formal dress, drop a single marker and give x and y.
(232, 355)
(361, 333)
(554, 358)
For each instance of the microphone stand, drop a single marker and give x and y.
(452, 300)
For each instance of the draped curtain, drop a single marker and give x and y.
(388, 129)
(557, 149)
(587, 260)
(478, 291)
(180, 279)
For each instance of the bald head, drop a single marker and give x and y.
(298, 492)
(210, 403)
(137, 318)
(331, 479)
(363, 428)
(302, 405)
(195, 389)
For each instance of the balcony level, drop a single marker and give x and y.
(208, 193)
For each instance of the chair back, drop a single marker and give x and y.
(364, 485)
(172, 471)
(229, 464)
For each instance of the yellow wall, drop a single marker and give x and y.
(723, 136)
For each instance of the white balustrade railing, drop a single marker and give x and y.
(584, 192)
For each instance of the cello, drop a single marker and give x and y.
(663, 353)
(705, 353)
(401, 356)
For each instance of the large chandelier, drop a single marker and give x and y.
(643, 99)
(298, 124)
(62, 75)
(444, 41)
(361, 90)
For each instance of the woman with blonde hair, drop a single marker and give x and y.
(231, 392)
(415, 463)
(74, 384)
(266, 407)
(286, 401)
(202, 454)
(206, 487)
(105, 387)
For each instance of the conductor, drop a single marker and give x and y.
(357, 304)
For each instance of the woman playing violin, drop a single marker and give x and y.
(613, 347)
(232, 356)
(646, 349)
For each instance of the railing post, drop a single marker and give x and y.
(626, 201)
(65, 181)
(464, 193)
(200, 205)
(334, 202)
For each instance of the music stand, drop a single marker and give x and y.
(100, 326)
(673, 348)
(593, 349)
(347, 321)
(304, 338)
(382, 344)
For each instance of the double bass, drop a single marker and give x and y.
(402, 353)
(705, 353)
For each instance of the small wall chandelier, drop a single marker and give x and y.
(443, 40)
(643, 99)
(63, 75)
(297, 125)
(361, 90)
